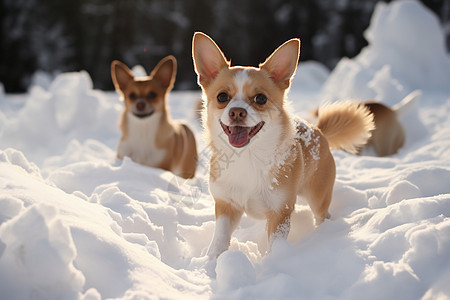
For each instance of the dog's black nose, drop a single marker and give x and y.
(140, 106)
(237, 114)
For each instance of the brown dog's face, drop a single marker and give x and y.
(145, 95)
(244, 102)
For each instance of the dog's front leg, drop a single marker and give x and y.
(279, 223)
(227, 219)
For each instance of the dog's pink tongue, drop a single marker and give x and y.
(239, 136)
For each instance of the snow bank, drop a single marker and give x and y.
(38, 256)
(42, 79)
(406, 51)
(69, 109)
(310, 75)
(56, 245)
(234, 271)
(77, 223)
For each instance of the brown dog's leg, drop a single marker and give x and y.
(319, 190)
(319, 207)
(279, 223)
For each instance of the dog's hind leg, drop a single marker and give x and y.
(319, 205)
(319, 191)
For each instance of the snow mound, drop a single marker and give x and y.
(37, 256)
(42, 79)
(69, 109)
(139, 71)
(403, 54)
(234, 270)
(310, 75)
(102, 246)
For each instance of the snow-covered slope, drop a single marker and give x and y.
(76, 223)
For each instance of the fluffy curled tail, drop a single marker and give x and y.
(346, 125)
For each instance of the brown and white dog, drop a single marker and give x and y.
(149, 136)
(263, 157)
(388, 136)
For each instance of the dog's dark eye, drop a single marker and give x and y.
(260, 99)
(223, 97)
(152, 95)
(132, 96)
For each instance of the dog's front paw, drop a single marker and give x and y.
(220, 241)
(215, 249)
(204, 263)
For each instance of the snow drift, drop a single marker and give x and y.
(406, 51)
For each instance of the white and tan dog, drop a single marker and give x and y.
(262, 157)
(149, 136)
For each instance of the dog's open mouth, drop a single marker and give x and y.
(240, 136)
(143, 115)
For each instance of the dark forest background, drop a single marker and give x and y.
(72, 35)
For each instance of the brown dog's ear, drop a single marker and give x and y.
(121, 75)
(208, 58)
(165, 72)
(282, 63)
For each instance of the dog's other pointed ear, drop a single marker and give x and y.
(121, 75)
(208, 58)
(282, 63)
(165, 72)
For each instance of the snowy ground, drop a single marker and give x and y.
(75, 222)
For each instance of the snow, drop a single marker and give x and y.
(234, 271)
(77, 223)
(402, 52)
(306, 134)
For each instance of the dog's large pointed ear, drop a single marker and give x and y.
(282, 63)
(208, 58)
(121, 75)
(165, 72)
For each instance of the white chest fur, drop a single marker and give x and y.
(140, 142)
(246, 178)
